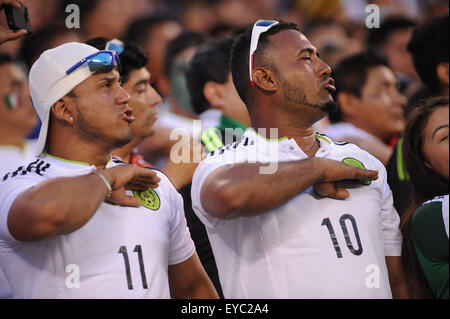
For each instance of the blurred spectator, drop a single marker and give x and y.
(49, 36)
(392, 39)
(172, 115)
(332, 41)
(5, 33)
(198, 15)
(17, 116)
(425, 229)
(429, 47)
(213, 94)
(17, 119)
(370, 107)
(153, 34)
(178, 55)
(43, 12)
(107, 18)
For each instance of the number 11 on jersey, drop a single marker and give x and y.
(138, 250)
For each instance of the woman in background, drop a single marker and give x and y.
(425, 224)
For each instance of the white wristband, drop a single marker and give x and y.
(106, 183)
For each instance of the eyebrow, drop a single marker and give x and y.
(437, 129)
(308, 50)
(108, 78)
(143, 81)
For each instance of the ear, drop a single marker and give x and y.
(214, 95)
(348, 104)
(63, 110)
(265, 79)
(442, 71)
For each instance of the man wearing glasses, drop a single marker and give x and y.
(76, 224)
(273, 236)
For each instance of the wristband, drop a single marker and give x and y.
(106, 183)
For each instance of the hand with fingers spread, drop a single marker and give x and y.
(337, 171)
(129, 177)
(5, 33)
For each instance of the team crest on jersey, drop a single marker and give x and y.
(357, 163)
(148, 198)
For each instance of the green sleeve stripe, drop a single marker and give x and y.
(211, 140)
(401, 170)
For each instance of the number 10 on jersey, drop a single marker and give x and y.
(356, 252)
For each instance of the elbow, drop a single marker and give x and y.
(223, 201)
(34, 222)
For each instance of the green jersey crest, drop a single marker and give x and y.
(148, 198)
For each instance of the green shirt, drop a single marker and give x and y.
(218, 135)
(429, 232)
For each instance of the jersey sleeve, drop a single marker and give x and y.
(431, 244)
(9, 190)
(212, 162)
(181, 245)
(390, 219)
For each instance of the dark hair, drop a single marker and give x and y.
(429, 47)
(240, 56)
(350, 75)
(378, 36)
(140, 30)
(211, 63)
(132, 57)
(183, 41)
(5, 58)
(426, 184)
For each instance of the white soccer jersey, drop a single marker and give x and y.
(121, 252)
(342, 130)
(10, 158)
(310, 247)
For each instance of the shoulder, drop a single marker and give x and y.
(350, 151)
(430, 216)
(37, 168)
(165, 180)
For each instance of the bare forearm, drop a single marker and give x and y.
(188, 280)
(243, 190)
(57, 206)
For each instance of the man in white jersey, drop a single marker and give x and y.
(70, 226)
(272, 235)
(17, 119)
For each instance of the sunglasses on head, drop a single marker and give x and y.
(115, 45)
(102, 61)
(259, 27)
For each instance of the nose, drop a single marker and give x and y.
(324, 69)
(400, 100)
(123, 97)
(156, 98)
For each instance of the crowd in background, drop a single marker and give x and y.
(375, 69)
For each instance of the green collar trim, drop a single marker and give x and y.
(73, 162)
(269, 139)
(323, 138)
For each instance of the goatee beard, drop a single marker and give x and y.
(329, 107)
